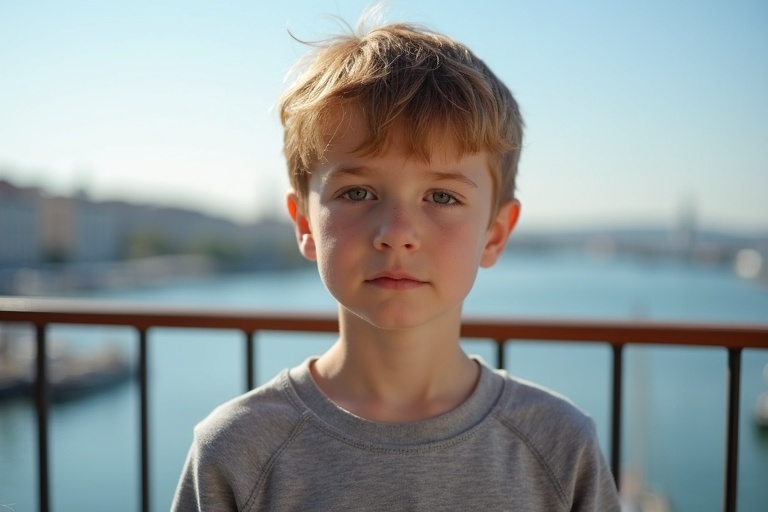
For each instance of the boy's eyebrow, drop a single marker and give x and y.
(341, 172)
(434, 175)
(348, 171)
(452, 176)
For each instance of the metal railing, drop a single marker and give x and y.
(618, 334)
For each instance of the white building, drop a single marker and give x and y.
(19, 232)
(96, 234)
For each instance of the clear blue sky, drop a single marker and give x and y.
(632, 108)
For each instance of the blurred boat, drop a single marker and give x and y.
(635, 497)
(70, 374)
(760, 411)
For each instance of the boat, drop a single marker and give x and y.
(760, 411)
(71, 374)
(636, 495)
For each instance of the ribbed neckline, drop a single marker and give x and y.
(299, 383)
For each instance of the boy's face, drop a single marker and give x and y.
(398, 241)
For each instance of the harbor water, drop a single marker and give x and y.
(675, 397)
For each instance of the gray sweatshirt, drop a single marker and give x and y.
(511, 446)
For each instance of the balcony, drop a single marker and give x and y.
(42, 314)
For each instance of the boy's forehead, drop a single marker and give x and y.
(347, 132)
(345, 129)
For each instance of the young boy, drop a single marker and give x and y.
(402, 149)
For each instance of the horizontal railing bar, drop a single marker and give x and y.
(616, 332)
(619, 332)
(76, 311)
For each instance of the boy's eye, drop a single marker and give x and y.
(442, 198)
(356, 194)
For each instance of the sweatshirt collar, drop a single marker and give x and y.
(447, 427)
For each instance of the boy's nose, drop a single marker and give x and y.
(396, 230)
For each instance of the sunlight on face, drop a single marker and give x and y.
(398, 240)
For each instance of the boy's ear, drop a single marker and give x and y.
(301, 225)
(499, 231)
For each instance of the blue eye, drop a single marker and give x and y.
(356, 194)
(443, 198)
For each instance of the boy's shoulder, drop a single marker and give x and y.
(555, 431)
(561, 440)
(259, 420)
(528, 402)
(235, 444)
(534, 411)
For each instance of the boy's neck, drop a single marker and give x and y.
(394, 376)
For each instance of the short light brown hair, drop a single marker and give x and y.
(407, 76)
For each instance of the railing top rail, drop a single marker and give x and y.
(144, 316)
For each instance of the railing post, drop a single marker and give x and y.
(732, 433)
(41, 403)
(144, 418)
(616, 405)
(250, 370)
(501, 353)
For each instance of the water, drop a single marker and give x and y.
(674, 410)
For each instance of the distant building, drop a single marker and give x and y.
(96, 234)
(20, 241)
(37, 229)
(57, 228)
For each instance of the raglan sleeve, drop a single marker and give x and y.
(204, 484)
(594, 488)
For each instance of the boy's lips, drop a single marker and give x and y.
(395, 281)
